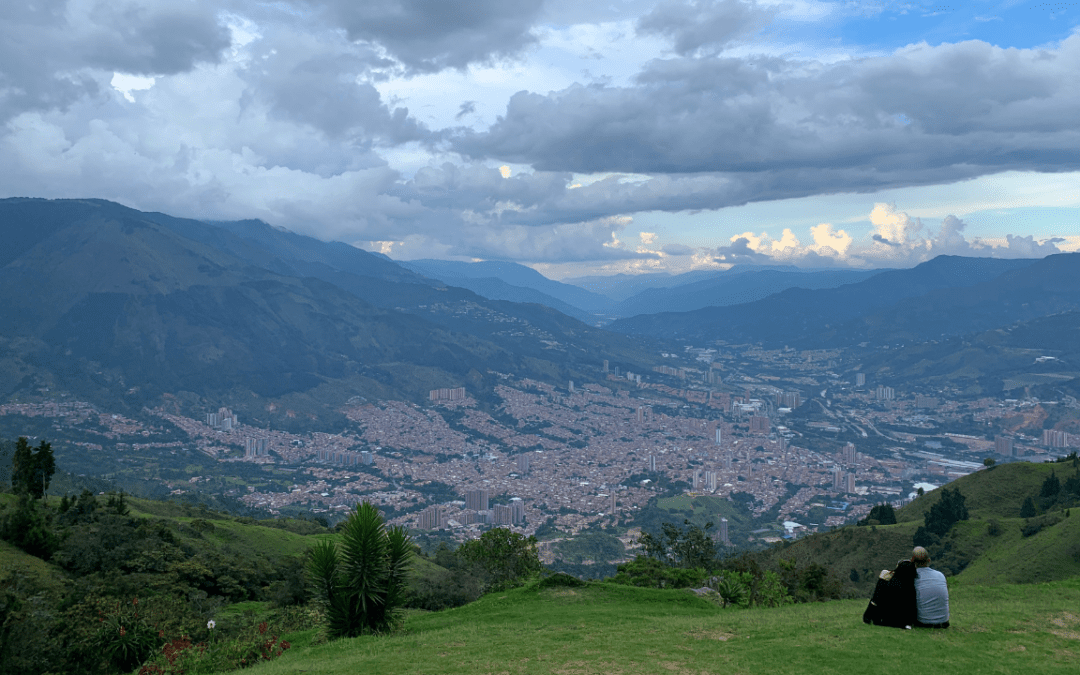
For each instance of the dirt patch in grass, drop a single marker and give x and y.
(720, 635)
(1066, 625)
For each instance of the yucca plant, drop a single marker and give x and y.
(361, 580)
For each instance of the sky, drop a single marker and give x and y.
(577, 138)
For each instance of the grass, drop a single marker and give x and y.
(605, 628)
(999, 492)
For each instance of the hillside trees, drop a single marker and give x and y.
(32, 468)
(949, 510)
(508, 558)
(688, 547)
(361, 580)
(882, 514)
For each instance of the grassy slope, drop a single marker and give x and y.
(605, 628)
(1053, 553)
(998, 492)
(271, 542)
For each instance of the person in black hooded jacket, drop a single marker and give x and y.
(893, 603)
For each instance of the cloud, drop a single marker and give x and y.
(647, 238)
(312, 79)
(828, 242)
(741, 251)
(54, 53)
(692, 25)
(1027, 247)
(467, 108)
(777, 127)
(432, 35)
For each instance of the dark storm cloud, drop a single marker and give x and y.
(308, 79)
(924, 114)
(696, 24)
(740, 252)
(432, 35)
(883, 240)
(49, 49)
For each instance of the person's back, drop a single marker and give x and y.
(931, 593)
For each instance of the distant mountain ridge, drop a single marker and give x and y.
(473, 275)
(898, 304)
(624, 295)
(732, 288)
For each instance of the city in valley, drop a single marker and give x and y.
(798, 440)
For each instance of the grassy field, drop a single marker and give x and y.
(605, 628)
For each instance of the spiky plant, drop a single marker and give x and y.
(361, 581)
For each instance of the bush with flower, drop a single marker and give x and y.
(251, 643)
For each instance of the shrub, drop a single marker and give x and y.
(361, 582)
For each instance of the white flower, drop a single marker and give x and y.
(210, 624)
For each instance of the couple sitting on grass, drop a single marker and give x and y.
(912, 595)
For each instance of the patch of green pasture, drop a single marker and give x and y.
(1053, 553)
(605, 628)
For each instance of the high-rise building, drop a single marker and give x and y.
(849, 454)
(697, 483)
(523, 464)
(614, 508)
(850, 483)
(710, 481)
(724, 539)
(885, 393)
(255, 447)
(1003, 445)
(640, 414)
(759, 424)
(605, 366)
(719, 435)
(1056, 439)
(431, 518)
(860, 379)
(652, 463)
(517, 511)
(501, 515)
(456, 394)
(476, 500)
(837, 479)
(222, 420)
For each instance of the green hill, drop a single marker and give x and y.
(989, 548)
(605, 628)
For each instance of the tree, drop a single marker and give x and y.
(1027, 509)
(989, 462)
(1050, 490)
(884, 514)
(509, 558)
(949, 510)
(32, 470)
(688, 548)
(361, 581)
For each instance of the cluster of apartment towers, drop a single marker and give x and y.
(479, 511)
(226, 420)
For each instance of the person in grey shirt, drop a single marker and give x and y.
(931, 592)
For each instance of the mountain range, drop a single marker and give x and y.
(943, 297)
(623, 295)
(111, 303)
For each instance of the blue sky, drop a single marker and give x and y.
(632, 136)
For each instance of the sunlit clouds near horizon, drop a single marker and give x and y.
(636, 136)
